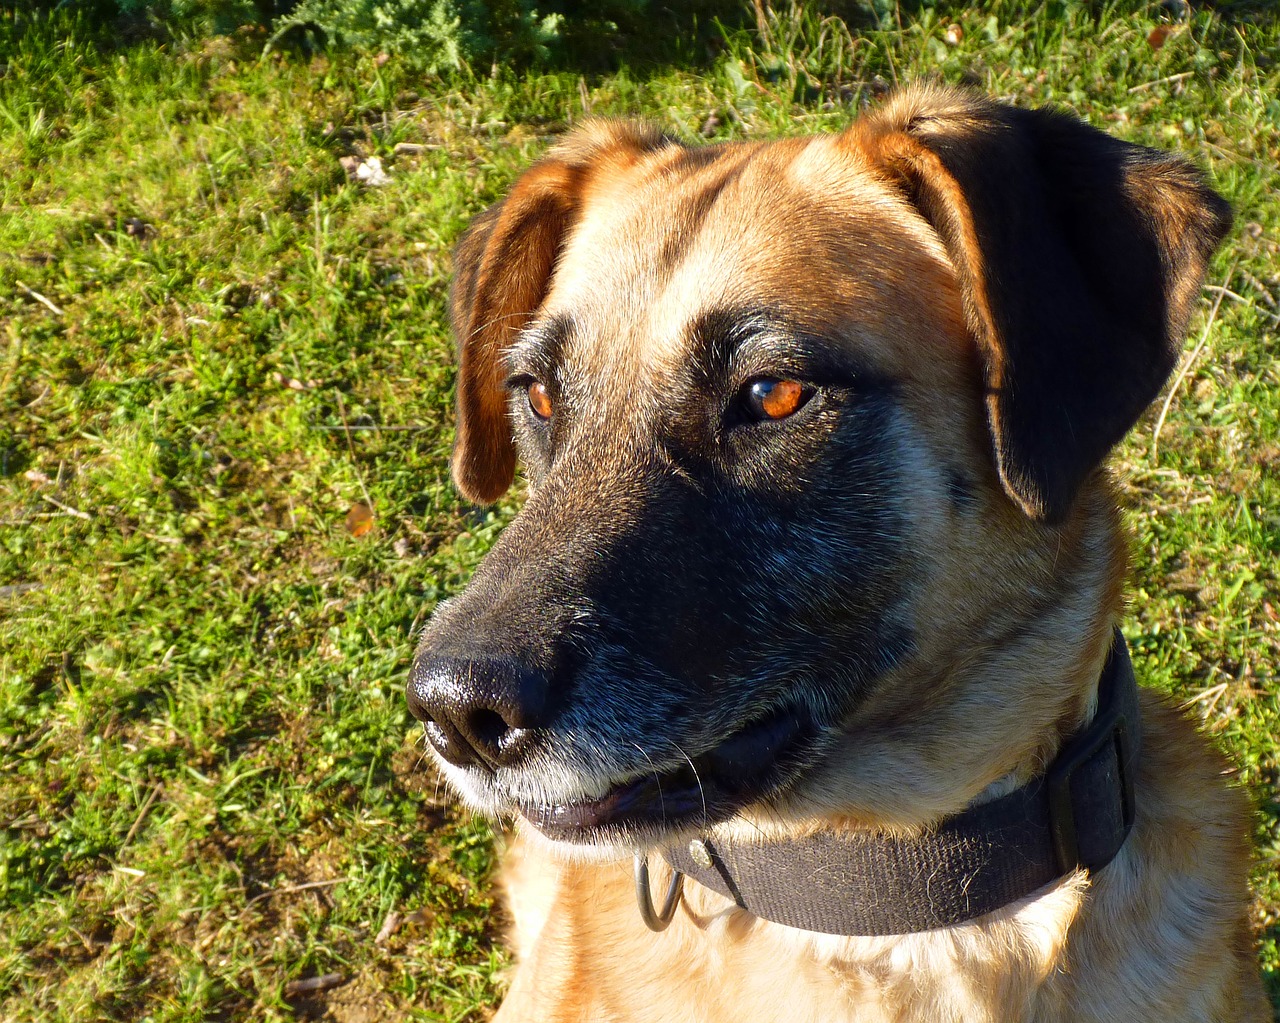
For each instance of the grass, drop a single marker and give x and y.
(213, 346)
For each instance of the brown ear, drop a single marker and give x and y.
(502, 272)
(1079, 258)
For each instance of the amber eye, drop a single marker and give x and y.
(767, 398)
(540, 400)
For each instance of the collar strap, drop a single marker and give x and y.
(1077, 814)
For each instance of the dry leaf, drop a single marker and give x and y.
(292, 383)
(371, 173)
(365, 172)
(1159, 35)
(389, 927)
(359, 519)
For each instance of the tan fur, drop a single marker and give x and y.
(869, 238)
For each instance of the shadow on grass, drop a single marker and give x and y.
(587, 37)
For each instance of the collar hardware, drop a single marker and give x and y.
(656, 919)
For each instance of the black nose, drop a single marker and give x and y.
(477, 713)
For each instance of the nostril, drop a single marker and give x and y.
(477, 713)
(447, 741)
(488, 728)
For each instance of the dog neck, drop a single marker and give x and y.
(1074, 816)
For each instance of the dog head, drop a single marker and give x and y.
(813, 428)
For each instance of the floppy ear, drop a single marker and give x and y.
(1079, 258)
(502, 272)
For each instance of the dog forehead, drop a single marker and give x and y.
(799, 228)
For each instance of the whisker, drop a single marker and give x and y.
(481, 328)
(702, 792)
(657, 780)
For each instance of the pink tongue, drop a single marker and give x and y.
(641, 797)
(730, 775)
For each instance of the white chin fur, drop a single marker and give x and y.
(544, 784)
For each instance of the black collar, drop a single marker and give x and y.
(1077, 814)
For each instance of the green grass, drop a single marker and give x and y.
(212, 346)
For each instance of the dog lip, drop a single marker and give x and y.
(744, 768)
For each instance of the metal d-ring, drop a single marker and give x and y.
(656, 920)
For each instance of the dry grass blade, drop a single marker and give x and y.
(33, 294)
(314, 985)
(1189, 361)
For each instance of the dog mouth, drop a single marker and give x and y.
(753, 763)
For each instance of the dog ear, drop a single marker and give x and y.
(502, 268)
(1079, 258)
(502, 272)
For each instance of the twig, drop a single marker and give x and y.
(16, 336)
(376, 426)
(1187, 364)
(312, 985)
(67, 508)
(137, 821)
(1209, 696)
(294, 888)
(1259, 287)
(32, 293)
(18, 589)
(412, 148)
(389, 927)
(91, 947)
(1217, 289)
(346, 429)
(1161, 81)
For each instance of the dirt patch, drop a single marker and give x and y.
(362, 1000)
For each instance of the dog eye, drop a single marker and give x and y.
(768, 398)
(539, 399)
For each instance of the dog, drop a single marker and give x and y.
(809, 618)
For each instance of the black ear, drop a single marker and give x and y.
(1079, 258)
(502, 271)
